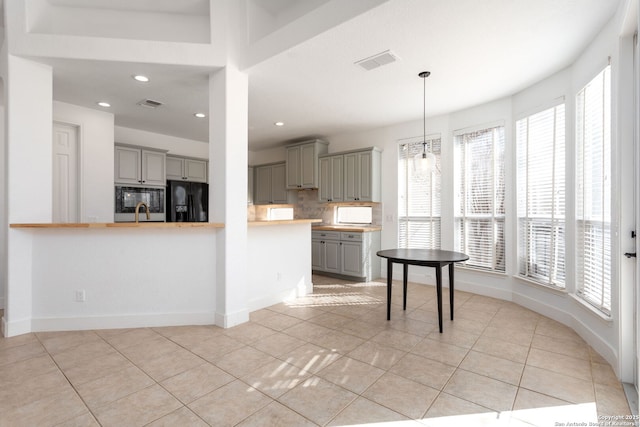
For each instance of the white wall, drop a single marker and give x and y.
(131, 277)
(3, 203)
(278, 271)
(96, 159)
(29, 88)
(121, 24)
(270, 155)
(174, 145)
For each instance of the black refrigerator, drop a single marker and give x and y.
(187, 201)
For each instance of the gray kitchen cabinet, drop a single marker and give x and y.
(269, 184)
(351, 258)
(331, 188)
(351, 254)
(326, 251)
(250, 186)
(186, 169)
(362, 176)
(317, 254)
(139, 166)
(302, 164)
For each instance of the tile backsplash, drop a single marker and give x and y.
(309, 206)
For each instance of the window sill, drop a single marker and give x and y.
(533, 283)
(591, 309)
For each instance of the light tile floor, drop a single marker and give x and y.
(330, 358)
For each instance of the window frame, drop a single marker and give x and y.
(434, 220)
(604, 305)
(556, 220)
(461, 217)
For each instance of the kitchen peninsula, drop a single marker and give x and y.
(150, 274)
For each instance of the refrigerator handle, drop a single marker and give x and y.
(190, 208)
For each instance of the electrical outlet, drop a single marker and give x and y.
(81, 296)
(278, 276)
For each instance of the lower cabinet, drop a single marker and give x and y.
(350, 254)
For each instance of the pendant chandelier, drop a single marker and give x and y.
(424, 163)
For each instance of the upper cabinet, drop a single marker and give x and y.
(186, 169)
(269, 186)
(139, 166)
(302, 164)
(352, 176)
(331, 187)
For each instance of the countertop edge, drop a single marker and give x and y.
(283, 222)
(155, 225)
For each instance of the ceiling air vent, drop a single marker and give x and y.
(377, 60)
(149, 103)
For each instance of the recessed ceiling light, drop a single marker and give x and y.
(200, 115)
(141, 78)
(279, 123)
(104, 104)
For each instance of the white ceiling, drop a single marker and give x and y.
(477, 51)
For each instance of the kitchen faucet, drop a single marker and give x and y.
(138, 210)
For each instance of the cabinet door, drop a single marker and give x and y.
(317, 255)
(293, 179)
(278, 188)
(351, 177)
(332, 255)
(175, 169)
(337, 178)
(153, 168)
(127, 166)
(352, 258)
(364, 175)
(325, 184)
(308, 172)
(262, 185)
(250, 186)
(195, 170)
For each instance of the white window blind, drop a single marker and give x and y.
(419, 198)
(593, 204)
(541, 196)
(479, 211)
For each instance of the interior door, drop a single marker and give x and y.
(66, 200)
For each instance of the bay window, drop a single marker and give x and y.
(418, 197)
(540, 140)
(593, 192)
(479, 203)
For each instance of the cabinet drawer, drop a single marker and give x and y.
(355, 237)
(325, 235)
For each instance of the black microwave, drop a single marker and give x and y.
(127, 198)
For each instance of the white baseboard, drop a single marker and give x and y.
(503, 294)
(231, 319)
(120, 321)
(572, 321)
(269, 300)
(464, 286)
(11, 329)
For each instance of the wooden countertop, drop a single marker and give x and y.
(159, 224)
(283, 222)
(347, 228)
(121, 225)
